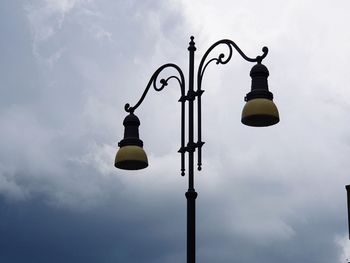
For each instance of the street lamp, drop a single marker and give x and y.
(259, 111)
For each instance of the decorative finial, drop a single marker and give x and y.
(192, 47)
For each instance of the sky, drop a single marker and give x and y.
(273, 194)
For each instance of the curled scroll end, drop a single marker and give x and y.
(220, 59)
(265, 50)
(129, 109)
(163, 82)
(260, 58)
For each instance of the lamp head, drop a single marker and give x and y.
(260, 110)
(131, 155)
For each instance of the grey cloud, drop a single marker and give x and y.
(271, 195)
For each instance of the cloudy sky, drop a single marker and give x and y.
(271, 194)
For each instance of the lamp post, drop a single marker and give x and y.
(259, 111)
(347, 187)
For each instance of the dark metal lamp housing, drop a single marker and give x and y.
(131, 155)
(260, 110)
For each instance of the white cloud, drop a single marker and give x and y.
(63, 6)
(344, 243)
(46, 19)
(99, 157)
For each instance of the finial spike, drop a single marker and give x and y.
(192, 44)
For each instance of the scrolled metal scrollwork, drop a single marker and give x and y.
(222, 59)
(163, 83)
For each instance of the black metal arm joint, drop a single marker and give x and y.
(182, 150)
(183, 99)
(191, 95)
(191, 194)
(186, 149)
(199, 144)
(191, 147)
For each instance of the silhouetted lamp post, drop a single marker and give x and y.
(259, 111)
(347, 187)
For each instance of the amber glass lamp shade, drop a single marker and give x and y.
(259, 110)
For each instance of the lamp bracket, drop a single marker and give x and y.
(191, 147)
(191, 95)
(223, 59)
(163, 82)
(220, 59)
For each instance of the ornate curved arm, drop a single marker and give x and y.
(222, 60)
(163, 82)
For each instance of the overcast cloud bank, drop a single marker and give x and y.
(272, 195)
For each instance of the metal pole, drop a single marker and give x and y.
(348, 201)
(191, 193)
